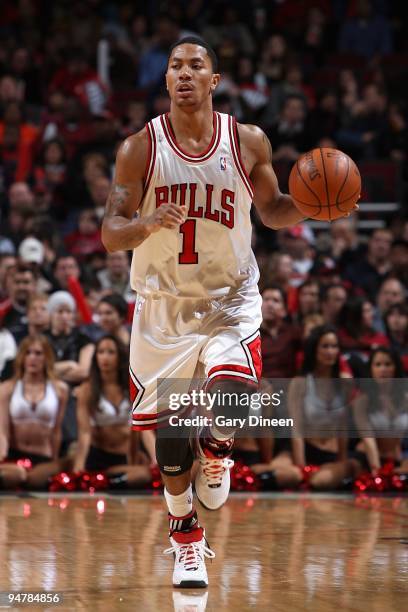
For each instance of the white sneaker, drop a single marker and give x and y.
(189, 549)
(190, 602)
(212, 482)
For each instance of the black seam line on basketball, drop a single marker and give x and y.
(344, 182)
(327, 187)
(306, 185)
(349, 198)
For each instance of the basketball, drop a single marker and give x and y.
(325, 184)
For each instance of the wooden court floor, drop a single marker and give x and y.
(274, 552)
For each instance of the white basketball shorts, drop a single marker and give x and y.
(179, 339)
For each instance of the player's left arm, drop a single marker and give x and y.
(276, 209)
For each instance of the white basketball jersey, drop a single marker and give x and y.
(210, 254)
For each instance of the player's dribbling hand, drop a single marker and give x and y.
(170, 216)
(356, 207)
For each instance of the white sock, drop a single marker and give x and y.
(182, 504)
(222, 437)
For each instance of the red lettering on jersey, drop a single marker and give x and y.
(188, 253)
(162, 195)
(174, 190)
(193, 211)
(183, 189)
(227, 198)
(212, 215)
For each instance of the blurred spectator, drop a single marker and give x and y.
(316, 37)
(368, 122)
(394, 138)
(99, 190)
(77, 78)
(86, 240)
(11, 90)
(105, 440)
(136, 117)
(38, 318)
(346, 248)
(356, 333)
(38, 314)
(32, 407)
(111, 314)
(381, 413)
(396, 325)
(17, 140)
(20, 210)
(31, 251)
(252, 85)
(65, 266)
(73, 126)
(279, 270)
(8, 349)
(289, 135)
(52, 115)
(73, 350)
(333, 299)
(298, 242)
(115, 276)
(324, 120)
(316, 402)
(274, 59)
(294, 85)
(366, 33)
(390, 292)
(23, 283)
(308, 300)
(94, 167)
(399, 260)
(280, 340)
(153, 62)
(368, 273)
(27, 75)
(6, 263)
(50, 172)
(6, 246)
(228, 26)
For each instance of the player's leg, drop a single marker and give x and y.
(232, 362)
(165, 346)
(175, 459)
(215, 442)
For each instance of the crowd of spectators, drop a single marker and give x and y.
(309, 72)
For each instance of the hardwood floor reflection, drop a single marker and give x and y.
(275, 553)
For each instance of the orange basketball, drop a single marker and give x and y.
(325, 184)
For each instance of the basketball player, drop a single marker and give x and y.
(191, 177)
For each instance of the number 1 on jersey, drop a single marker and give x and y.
(188, 253)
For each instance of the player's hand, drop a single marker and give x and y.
(355, 207)
(170, 216)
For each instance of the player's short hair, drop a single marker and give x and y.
(196, 40)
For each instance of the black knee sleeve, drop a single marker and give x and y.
(174, 454)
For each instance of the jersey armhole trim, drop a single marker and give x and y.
(236, 153)
(151, 157)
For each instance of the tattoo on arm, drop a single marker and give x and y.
(116, 199)
(268, 146)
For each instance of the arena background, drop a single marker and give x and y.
(76, 78)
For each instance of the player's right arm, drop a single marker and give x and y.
(121, 228)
